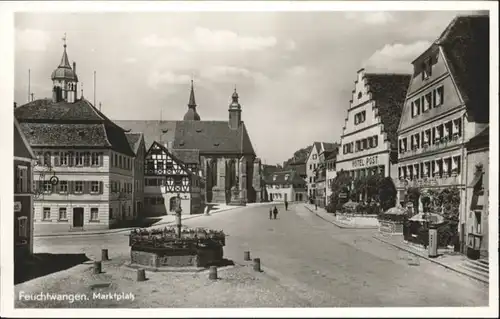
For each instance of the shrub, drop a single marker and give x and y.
(387, 193)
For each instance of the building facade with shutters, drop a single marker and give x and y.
(369, 140)
(83, 177)
(286, 186)
(313, 161)
(447, 104)
(23, 196)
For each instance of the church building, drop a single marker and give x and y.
(222, 151)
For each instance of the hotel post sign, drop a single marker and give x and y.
(365, 162)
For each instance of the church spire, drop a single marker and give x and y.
(192, 101)
(191, 114)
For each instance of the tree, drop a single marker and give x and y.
(387, 193)
(340, 184)
(413, 197)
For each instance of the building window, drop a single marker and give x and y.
(46, 213)
(427, 69)
(94, 187)
(23, 226)
(427, 102)
(315, 156)
(78, 187)
(95, 159)
(63, 214)
(63, 187)
(64, 159)
(415, 108)
(46, 159)
(310, 179)
(94, 213)
(47, 187)
(86, 157)
(360, 95)
(22, 179)
(120, 162)
(375, 141)
(79, 159)
(359, 117)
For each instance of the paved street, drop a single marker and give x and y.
(315, 261)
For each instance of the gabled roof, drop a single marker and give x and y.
(389, 93)
(293, 178)
(187, 156)
(134, 140)
(465, 43)
(330, 146)
(481, 139)
(80, 124)
(21, 144)
(174, 158)
(209, 137)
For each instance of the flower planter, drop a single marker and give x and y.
(162, 248)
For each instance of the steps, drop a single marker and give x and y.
(479, 269)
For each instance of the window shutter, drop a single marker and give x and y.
(56, 159)
(71, 187)
(101, 158)
(55, 188)
(86, 187)
(100, 187)
(39, 186)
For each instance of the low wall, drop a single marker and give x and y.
(387, 226)
(169, 257)
(359, 220)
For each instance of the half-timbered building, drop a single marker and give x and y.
(167, 176)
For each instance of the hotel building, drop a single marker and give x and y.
(447, 104)
(369, 140)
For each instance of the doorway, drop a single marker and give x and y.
(78, 217)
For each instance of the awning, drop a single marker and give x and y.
(477, 179)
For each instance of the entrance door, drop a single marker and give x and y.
(78, 217)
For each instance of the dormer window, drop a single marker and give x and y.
(427, 69)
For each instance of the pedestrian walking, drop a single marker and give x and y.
(286, 205)
(270, 213)
(275, 212)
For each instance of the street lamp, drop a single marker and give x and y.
(178, 220)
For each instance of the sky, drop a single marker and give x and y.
(294, 71)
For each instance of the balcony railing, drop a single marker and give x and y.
(438, 144)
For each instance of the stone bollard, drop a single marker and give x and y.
(213, 273)
(256, 264)
(141, 275)
(104, 254)
(246, 256)
(97, 267)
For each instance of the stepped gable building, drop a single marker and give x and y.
(312, 163)
(89, 156)
(369, 138)
(447, 104)
(226, 157)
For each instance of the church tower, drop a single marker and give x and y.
(235, 112)
(191, 114)
(64, 80)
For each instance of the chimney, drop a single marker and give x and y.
(15, 104)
